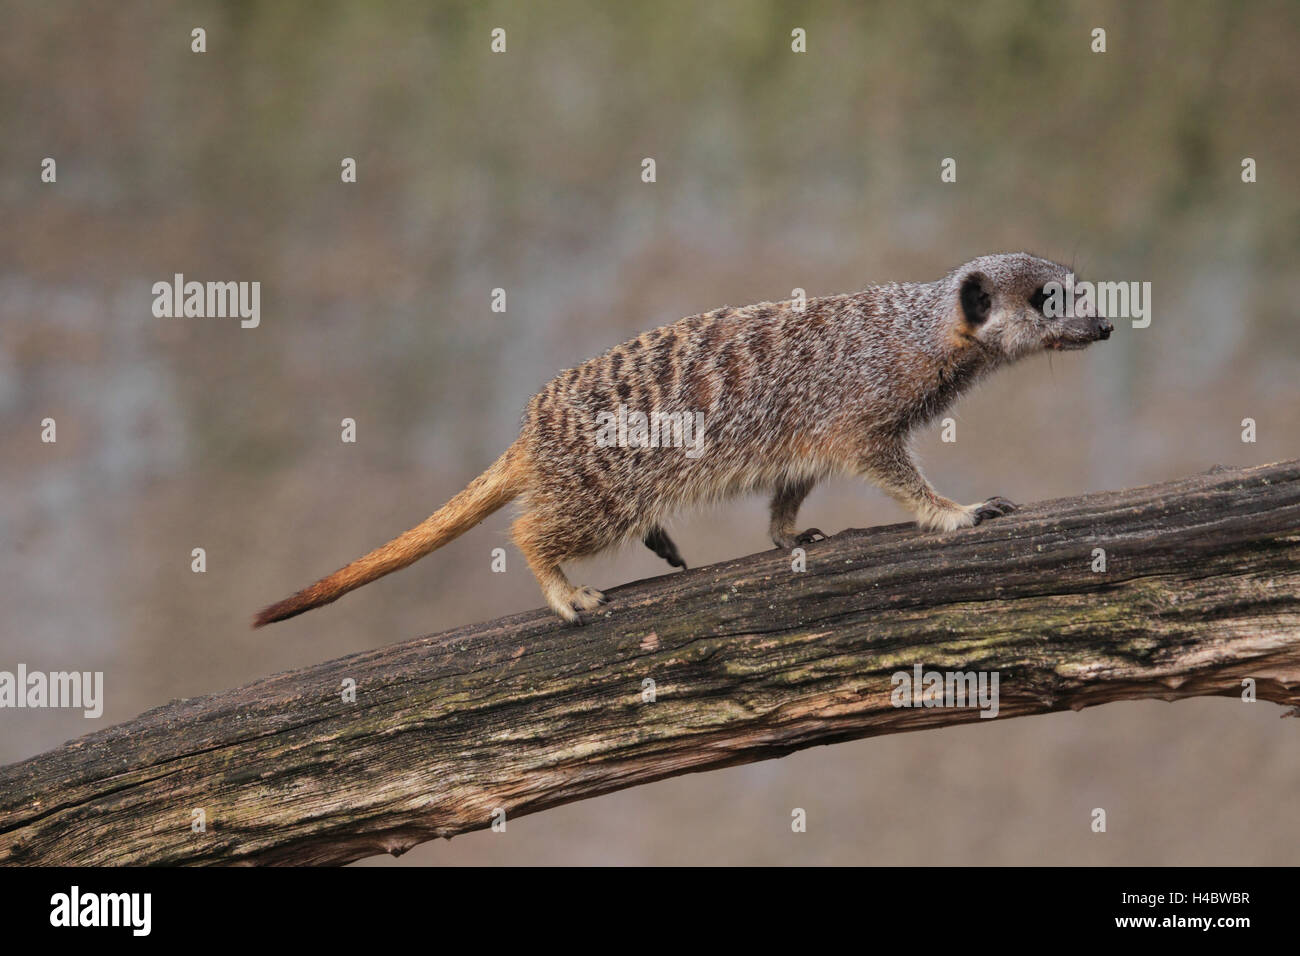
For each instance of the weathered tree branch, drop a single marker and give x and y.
(750, 660)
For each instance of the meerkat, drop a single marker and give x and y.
(788, 396)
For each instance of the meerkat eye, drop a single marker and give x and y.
(1037, 300)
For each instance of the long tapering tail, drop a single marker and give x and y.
(484, 495)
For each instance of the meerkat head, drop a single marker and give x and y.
(1009, 304)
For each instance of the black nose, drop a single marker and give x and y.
(1104, 329)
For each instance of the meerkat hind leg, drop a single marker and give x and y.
(564, 598)
(657, 540)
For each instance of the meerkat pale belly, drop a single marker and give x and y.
(765, 397)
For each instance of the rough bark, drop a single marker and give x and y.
(750, 660)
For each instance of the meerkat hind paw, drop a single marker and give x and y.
(569, 602)
(587, 599)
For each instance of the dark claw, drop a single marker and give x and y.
(995, 507)
(811, 535)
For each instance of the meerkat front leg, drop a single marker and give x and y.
(892, 467)
(785, 507)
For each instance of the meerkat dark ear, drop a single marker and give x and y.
(976, 298)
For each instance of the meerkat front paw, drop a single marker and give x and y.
(950, 516)
(995, 507)
(789, 540)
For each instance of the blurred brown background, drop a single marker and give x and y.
(522, 170)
